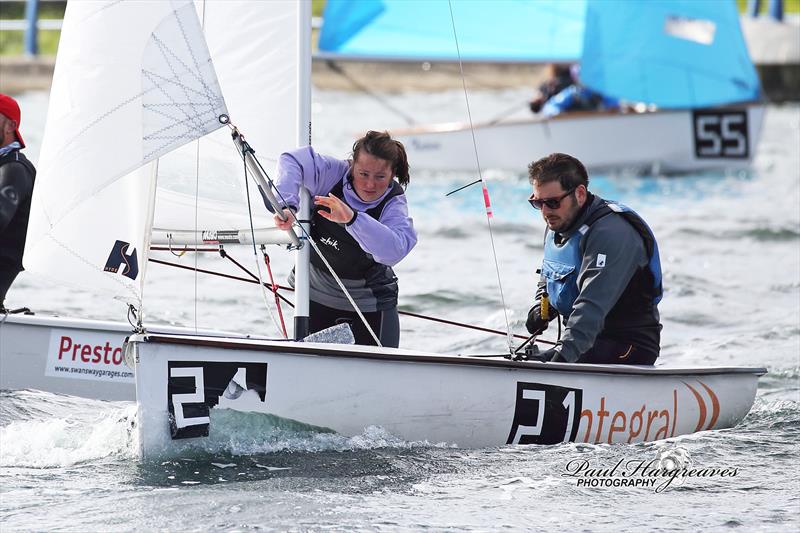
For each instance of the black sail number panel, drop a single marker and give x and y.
(720, 134)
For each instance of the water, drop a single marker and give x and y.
(730, 245)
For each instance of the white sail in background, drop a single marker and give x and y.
(133, 81)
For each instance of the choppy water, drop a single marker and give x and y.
(730, 244)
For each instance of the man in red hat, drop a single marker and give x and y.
(17, 175)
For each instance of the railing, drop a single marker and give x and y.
(31, 24)
(775, 8)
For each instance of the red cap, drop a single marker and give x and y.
(10, 108)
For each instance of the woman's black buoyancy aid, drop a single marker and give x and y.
(343, 252)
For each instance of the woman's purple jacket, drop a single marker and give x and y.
(388, 239)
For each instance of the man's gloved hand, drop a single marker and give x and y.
(550, 355)
(535, 323)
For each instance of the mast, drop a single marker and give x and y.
(303, 257)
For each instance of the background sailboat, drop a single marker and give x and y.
(682, 65)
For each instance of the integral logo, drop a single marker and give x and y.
(117, 258)
(703, 409)
(194, 387)
(545, 414)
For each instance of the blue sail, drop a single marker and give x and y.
(671, 53)
(488, 30)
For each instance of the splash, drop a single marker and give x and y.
(65, 441)
(239, 433)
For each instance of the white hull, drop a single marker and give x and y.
(71, 356)
(65, 356)
(668, 141)
(471, 402)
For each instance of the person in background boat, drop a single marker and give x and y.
(362, 227)
(559, 78)
(601, 270)
(17, 175)
(564, 93)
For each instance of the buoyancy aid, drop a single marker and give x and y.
(345, 255)
(562, 264)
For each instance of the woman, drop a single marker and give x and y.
(361, 226)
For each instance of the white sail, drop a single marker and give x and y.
(133, 81)
(254, 59)
(253, 45)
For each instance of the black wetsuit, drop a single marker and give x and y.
(17, 176)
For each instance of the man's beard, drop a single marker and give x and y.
(564, 223)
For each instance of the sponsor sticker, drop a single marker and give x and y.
(87, 355)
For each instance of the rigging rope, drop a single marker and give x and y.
(255, 250)
(197, 187)
(290, 289)
(313, 244)
(486, 200)
(196, 209)
(274, 290)
(246, 150)
(369, 92)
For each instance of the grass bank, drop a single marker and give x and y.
(12, 43)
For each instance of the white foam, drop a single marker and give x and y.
(59, 442)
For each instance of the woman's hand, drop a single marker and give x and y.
(339, 211)
(284, 224)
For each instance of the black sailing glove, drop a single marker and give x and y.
(535, 323)
(549, 355)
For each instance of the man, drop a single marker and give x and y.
(17, 175)
(559, 77)
(601, 270)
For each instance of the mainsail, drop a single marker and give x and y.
(671, 53)
(497, 30)
(135, 82)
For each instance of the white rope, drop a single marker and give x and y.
(196, 209)
(510, 338)
(197, 191)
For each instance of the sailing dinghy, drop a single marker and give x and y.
(102, 203)
(105, 145)
(682, 65)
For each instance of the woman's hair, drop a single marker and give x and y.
(381, 145)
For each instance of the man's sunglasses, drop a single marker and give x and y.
(552, 203)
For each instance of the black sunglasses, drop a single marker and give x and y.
(552, 203)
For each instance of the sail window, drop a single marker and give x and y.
(696, 30)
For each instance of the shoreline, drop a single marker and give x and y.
(780, 81)
(20, 73)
